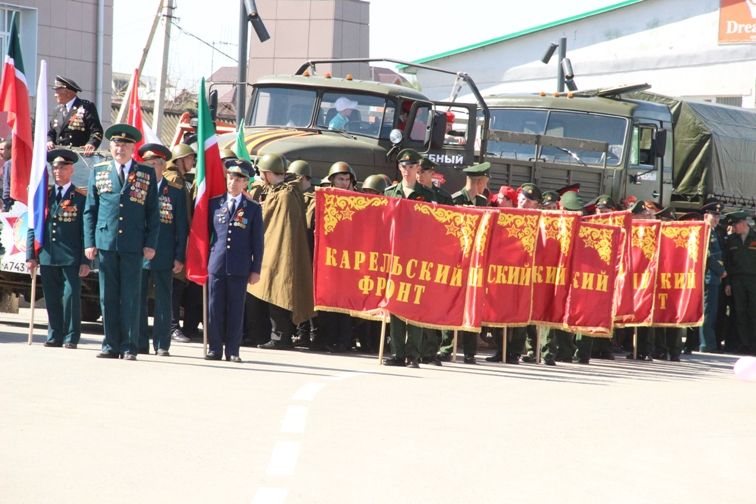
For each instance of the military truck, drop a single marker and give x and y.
(625, 141)
(14, 275)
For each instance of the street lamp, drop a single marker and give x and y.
(565, 74)
(247, 14)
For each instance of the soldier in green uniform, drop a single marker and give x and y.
(524, 338)
(715, 272)
(170, 253)
(476, 177)
(61, 258)
(121, 223)
(406, 339)
(602, 347)
(668, 340)
(376, 184)
(740, 283)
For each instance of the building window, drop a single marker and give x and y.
(6, 15)
(735, 101)
(27, 34)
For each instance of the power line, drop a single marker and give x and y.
(208, 44)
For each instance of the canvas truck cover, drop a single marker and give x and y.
(714, 149)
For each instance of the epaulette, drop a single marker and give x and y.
(457, 194)
(101, 163)
(173, 184)
(81, 190)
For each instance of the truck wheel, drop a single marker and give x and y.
(90, 311)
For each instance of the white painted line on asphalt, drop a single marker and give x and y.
(294, 420)
(270, 495)
(342, 376)
(283, 460)
(308, 391)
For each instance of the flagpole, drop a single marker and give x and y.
(204, 319)
(382, 344)
(33, 272)
(454, 347)
(504, 337)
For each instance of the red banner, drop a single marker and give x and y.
(508, 295)
(595, 263)
(623, 287)
(551, 266)
(679, 283)
(644, 253)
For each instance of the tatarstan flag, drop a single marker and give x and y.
(14, 101)
(208, 183)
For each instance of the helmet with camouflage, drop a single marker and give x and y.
(301, 168)
(341, 167)
(274, 163)
(376, 183)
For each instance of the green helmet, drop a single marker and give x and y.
(300, 167)
(377, 183)
(274, 163)
(181, 150)
(341, 167)
(228, 154)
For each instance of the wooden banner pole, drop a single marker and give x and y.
(204, 320)
(33, 300)
(382, 344)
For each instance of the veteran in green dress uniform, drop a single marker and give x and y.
(170, 254)
(61, 258)
(406, 339)
(121, 224)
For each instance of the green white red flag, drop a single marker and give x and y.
(209, 183)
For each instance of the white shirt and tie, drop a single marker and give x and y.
(123, 171)
(60, 191)
(233, 203)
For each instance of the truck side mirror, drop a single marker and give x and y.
(438, 130)
(660, 141)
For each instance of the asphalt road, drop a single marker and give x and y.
(300, 427)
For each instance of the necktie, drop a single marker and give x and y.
(122, 173)
(233, 206)
(59, 196)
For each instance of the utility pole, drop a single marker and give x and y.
(157, 117)
(241, 88)
(560, 70)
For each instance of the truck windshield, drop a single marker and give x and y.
(358, 113)
(611, 130)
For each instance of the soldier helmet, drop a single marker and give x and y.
(272, 162)
(181, 150)
(228, 154)
(341, 167)
(376, 183)
(301, 168)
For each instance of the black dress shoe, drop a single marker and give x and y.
(179, 336)
(444, 357)
(494, 358)
(69, 345)
(393, 361)
(549, 361)
(513, 359)
(162, 352)
(581, 360)
(412, 363)
(129, 356)
(53, 344)
(469, 360)
(212, 356)
(107, 355)
(235, 358)
(276, 345)
(529, 359)
(687, 351)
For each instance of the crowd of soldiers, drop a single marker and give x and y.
(134, 219)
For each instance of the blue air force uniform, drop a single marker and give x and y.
(120, 219)
(60, 258)
(171, 247)
(236, 252)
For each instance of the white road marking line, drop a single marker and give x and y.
(270, 495)
(294, 420)
(308, 391)
(342, 376)
(283, 460)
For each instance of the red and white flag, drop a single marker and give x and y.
(134, 117)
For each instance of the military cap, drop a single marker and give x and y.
(272, 162)
(641, 206)
(427, 164)
(123, 133)
(666, 214)
(408, 156)
(571, 201)
(376, 183)
(478, 170)
(690, 216)
(341, 167)
(64, 156)
(712, 206)
(180, 151)
(531, 191)
(605, 201)
(735, 217)
(300, 167)
(154, 150)
(227, 154)
(240, 167)
(65, 82)
(549, 198)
